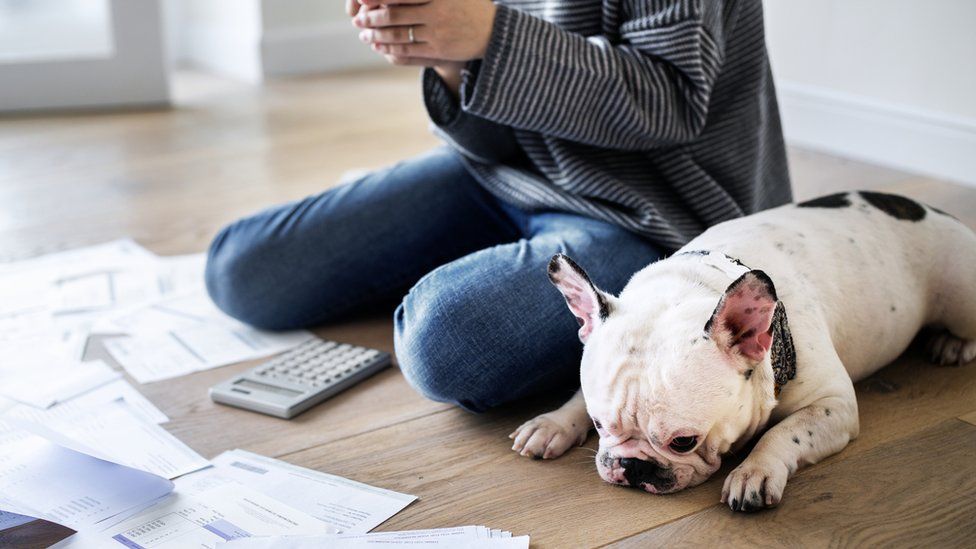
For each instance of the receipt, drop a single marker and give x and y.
(344, 505)
(202, 520)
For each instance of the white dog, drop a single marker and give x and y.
(700, 352)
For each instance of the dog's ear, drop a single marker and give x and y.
(742, 321)
(590, 305)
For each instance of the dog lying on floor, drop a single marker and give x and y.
(760, 325)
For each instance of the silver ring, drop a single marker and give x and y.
(413, 39)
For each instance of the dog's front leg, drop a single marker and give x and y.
(549, 436)
(805, 437)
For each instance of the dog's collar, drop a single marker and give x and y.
(782, 354)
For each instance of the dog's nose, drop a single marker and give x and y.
(638, 467)
(639, 473)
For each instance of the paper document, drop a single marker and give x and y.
(185, 334)
(44, 480)
(41, 378)
(113, 432)
(343, 505)
(470, 537)
(118, 389)
(52, 301)
(201, 520)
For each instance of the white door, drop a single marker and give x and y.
(81, 54)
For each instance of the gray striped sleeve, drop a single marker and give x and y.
(473, 136)
(648, 89)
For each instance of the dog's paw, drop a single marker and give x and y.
(946, 349)
(753, 486)
(548, 436)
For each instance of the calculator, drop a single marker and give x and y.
(296, 380)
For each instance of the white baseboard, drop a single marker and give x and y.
(315, 49)
(923, 142)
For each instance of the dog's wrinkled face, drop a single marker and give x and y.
(667, 376)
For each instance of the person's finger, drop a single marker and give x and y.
(390, 16)
(393, 35)
(352, 7)
(404, 50)
(411, 61)
(379, 3)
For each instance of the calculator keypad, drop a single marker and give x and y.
(317, 363)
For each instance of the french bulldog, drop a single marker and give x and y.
(760, 325)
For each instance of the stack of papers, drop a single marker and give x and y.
(470, 537)
(107, 428)
(51, 305)
(41, 479)
(182, 334)
(43, 475)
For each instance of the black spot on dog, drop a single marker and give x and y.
(695, 252)
(796, 439)
(894, 205)
(893, 308)
(748, 374)
(836, 200)
(809, 433)
(827, 411)
(736, 261)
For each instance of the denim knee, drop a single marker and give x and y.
(430, 351)
(234, 279)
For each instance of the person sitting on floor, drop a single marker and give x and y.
(610, 130)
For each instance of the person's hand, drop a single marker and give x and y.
(352, 7)
(443, 30)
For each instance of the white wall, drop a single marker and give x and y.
(889, 81)
(256, 39)
(309, 36)
(290, 14)
(131, 72)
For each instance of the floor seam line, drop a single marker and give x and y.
(347, 437)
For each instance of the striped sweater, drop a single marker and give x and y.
(659, 116)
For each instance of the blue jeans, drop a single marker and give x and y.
(479, 324)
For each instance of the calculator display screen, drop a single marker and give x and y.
(254, 385)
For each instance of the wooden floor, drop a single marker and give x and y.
(170, 179)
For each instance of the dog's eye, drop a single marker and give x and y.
(683, 444)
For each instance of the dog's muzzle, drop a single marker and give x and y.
(647, 475)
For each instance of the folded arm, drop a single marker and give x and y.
(649, 88)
